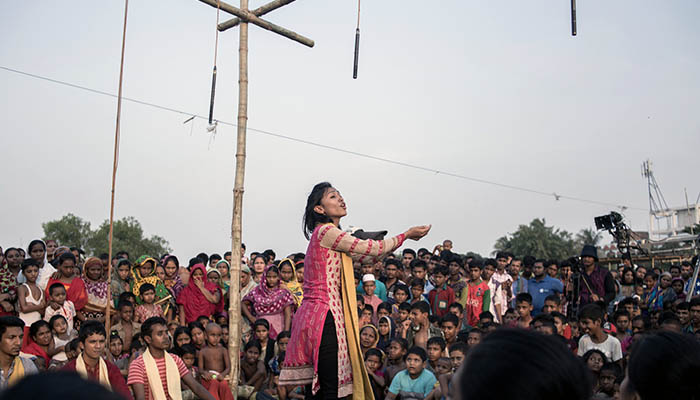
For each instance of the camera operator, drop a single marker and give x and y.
(597, 284)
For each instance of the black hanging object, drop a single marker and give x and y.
(357, 53)
(573, 17)
(213, 91)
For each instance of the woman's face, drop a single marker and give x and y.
(160, 273)
(197, 336)
(37, 252)
(51, 246)
(300, 274)
(677, 286)
(43, 336)
(261, 333)
(649, 281)
(14, 258)
(286, 273)
(182, 339)
(259, 265)
(223, 270)
(123, 272)
(665, 282)
(272, 279)
(146, 268)
(332, 204)
(67, 268)
(170, 268)
(641, 271)
(94, 272)
(628, 278)
(367, 337)
(595, 362)
(197, 274)
(213, 277)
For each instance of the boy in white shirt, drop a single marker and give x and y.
(591, 321)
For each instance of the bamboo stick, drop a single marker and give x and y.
(259, 12)
(247, 16)
(108, 310)
(234, 287)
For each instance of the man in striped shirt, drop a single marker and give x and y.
(155, 333)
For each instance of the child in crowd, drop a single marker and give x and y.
(188, 354)
(415, 382)
(401, 294)
(369, 286)
(253, 370)
(523, 306)
(59, 305)
(61, 337)
(417, 287)
(476, 297)
(30, 297)
(118, 357)
(474, 337)
(449, 326)
(552, 303)
(215, 364)
(126, 328)
(147, 308)
(591, 321)
(436, 347)
(609, 374)
(442, 295)
(396, 358)
(373, 360)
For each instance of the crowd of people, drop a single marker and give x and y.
(420, 315)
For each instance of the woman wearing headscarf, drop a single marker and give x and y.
(661, 293)
(199, 297)
(144, 271)
(224, 279)
(172, 280)
(288, 275)
(8, 281)
(96, 289)
(270, 301)
(369, 337)
(386, 329)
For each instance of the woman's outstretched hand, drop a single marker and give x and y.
(418, 232)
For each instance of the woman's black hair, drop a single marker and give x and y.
(173, 259)
(34, 328)
(665, 365)
(625, 270)
(261, 322)
(311, 217)
(180, 330)
(590, 352)
(284, 334)
(195, 324)
(272, 269)
(33, 243)
(523, 355)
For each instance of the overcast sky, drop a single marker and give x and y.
(498, 91)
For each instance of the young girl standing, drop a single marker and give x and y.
(31, 298)
(96, 290)
(271, 302)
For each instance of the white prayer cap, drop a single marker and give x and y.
(368, 278)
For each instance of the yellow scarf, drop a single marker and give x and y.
(17, 372)
(171, 373)
(361, 386)
(103, 373)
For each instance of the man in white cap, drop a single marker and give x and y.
(368, 284)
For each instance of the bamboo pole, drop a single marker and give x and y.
(108, 311)
(259, 12)
(234, 319)
(247, 16)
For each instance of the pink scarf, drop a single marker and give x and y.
(268, 301)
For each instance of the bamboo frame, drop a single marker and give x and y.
(249, 17)
(259, 12)
(108, 310)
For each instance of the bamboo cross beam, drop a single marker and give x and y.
(247, 16)
(259, 12)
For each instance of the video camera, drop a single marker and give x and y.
(608, 222)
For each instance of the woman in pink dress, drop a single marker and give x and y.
(324, 350)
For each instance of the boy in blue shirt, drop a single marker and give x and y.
(415, 382)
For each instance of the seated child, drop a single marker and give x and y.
(59, 305)
(214, 364)
(415, 382)
(188, 353)
(253, 372)
(59, 328)
(373, 360)
(443, 371)
(118, 357)
(72, 350)
(396, 358)
(436, 347)
(148, 309)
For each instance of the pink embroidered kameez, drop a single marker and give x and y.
(322, 292)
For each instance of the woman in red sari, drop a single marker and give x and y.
(199, 297)
(40, 344)
(324, 350)
(75, 286)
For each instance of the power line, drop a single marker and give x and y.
(557, 196)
